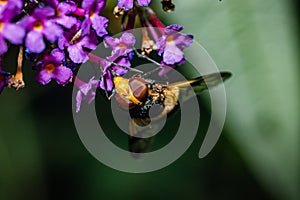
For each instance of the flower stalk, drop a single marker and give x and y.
(16, 81)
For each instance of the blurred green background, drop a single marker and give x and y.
(257, 156)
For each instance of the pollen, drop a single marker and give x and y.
(57, 13)
(50, 68)
(170, 39)
(92, 14)
(1, 26)
(121, 45)
(38, 26)
(3, 2)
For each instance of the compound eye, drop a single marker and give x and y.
(139, 87)
(124, 103)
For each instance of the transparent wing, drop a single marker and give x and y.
(200, 84)
(210, 80)
(203, 82)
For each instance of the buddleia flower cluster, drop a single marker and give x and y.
(59, 36)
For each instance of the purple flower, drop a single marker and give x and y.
(74, 41)
(92, 17)
(39, 25)
(106, 82)
(86, 91)
(18, 4)
(128, 4)
(62, 9)
(51, 68)
(3, 79)
(14, 33)
(126, 42)
(165, 69)
(172, 43)
(110, 69)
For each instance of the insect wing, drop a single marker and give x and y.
(209, 81)
(200, 84)
(203, 82)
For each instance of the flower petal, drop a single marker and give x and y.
(78, 100)
(53, 3)
(35, 42)
(90, 97)
(172, 54)
(62, 75)
(183, 41)
(89, 41)
(126, 4)
(85, 88)
(66, 21)
(161, 45)
(166, 68)
(67, 7)
(76, 54)
(100, 6)
(86, 26)
(111, 42)
(99, 24)
(172, 28)
(13, 33)
(43, 13)
(8, 12)
(44, 77)
(3, 45)
(106, 80)
(144, 2)
(52, 31)
(93, 5)
(27, 22)
(63, 42)
(87, 4)
(57, 55)
(128, 39)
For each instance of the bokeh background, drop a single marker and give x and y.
(257, 156)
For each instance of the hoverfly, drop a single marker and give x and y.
(139, 95)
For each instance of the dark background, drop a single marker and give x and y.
(42, 157)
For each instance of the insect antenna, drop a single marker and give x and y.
(123, 67)
(146, 57)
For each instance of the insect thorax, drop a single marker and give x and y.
(156, 96)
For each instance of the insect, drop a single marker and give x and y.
(139, 95)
